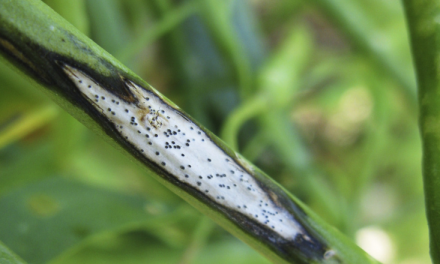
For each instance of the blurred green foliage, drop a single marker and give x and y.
(8, 257)
(319, 94)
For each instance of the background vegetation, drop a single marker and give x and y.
(319, 94)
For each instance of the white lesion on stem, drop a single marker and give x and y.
(165, 136)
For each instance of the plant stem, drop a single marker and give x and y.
(423, 22)
(98, 90)
(73, 11)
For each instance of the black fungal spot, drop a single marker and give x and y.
(182, 167)
(150, 143)
(209, 160)
(157, 153)
(183, 155)
(163, 163)
(186, 176)
(199, 183)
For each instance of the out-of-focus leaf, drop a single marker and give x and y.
(136, 248)
(238, 253)
(170, 21)
(24, 163)
(354, 21)
(108, 25)
(19, 125)
(203, 230)
(43, 220)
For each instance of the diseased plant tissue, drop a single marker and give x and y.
(166, 137)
